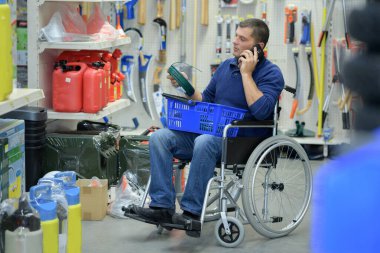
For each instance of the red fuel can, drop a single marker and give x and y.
(119, 87)
(93, 80)
(67, 87)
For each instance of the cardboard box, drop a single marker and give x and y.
(93, 199)
(12, 158)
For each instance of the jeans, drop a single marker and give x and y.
(204, 151)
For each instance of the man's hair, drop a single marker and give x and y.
(260, 30)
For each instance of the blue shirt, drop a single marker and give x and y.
(346, 202)
(226, 88)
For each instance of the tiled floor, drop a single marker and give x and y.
(126, 235)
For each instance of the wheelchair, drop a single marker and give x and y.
(274, 182)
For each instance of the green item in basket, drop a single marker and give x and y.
(181, 80)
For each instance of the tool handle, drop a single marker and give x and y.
(130, 9)
(178, 14)
(142, 12)
(324, 116)
(294, 108)
(346, 120)
(204, 12)
(291, 32)
(172, 21)
(348, 40)
(160, 9)
(156, 75)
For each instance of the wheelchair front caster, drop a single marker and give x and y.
(236, 235)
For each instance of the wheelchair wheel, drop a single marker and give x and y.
(235, 237)
(277, 186)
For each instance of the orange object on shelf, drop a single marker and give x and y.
(67, 87)
(92, 89)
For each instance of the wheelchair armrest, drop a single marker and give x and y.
(252, 123)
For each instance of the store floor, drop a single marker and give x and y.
(125, 235)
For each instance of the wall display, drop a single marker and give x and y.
(207, 44)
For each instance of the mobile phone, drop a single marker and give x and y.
(260, 52)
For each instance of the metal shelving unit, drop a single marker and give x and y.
(41, 56)
(88, 45)
(111, 108)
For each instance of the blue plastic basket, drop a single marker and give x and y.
(202, 117)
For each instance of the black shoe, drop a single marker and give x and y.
(191, 223)
(156, 214)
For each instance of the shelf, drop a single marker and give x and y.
(40, 2)
(20, 98)
(319, 141)
(111, 108)
(89, 45)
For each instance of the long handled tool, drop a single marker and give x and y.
(346, 35)
(172, 20)
(228, 35)
(336, 79)
(163, 30)
(325, 29)
(157, 94)
(204, 12)
(184, 67)
(321, 86)
(178, 7)
(130, 5)
(142, 12)
(127, 67)
(297, 88)
(305, 40)
(160, 8)
(290, 20)
(195, 41)
(144, 88)
(343, 105)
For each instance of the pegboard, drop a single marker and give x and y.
(278, 52)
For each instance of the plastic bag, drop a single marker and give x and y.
(72, 20)
(134, 157)
(128, 192)
(107, 143)
(55, 31)
(98, 25)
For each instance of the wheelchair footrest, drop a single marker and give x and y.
(181, 224)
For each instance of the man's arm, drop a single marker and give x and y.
(252, 92)
(196, 96)
(247, 64)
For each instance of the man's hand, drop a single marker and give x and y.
(248, 61)
(173, 81)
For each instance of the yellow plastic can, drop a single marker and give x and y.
(6, 68)
(74, 229)
(50, 235)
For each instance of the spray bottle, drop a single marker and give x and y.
(21, 228)
(41, 200)
(74, 220)
(6, 64)
(58, 194)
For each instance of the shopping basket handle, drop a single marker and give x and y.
(182, 99)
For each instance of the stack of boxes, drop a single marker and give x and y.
(12, 158)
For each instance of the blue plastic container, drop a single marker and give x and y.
(202, 117)
(40, 199)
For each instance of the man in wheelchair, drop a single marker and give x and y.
(248, 81)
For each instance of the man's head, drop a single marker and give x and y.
(249, 33)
